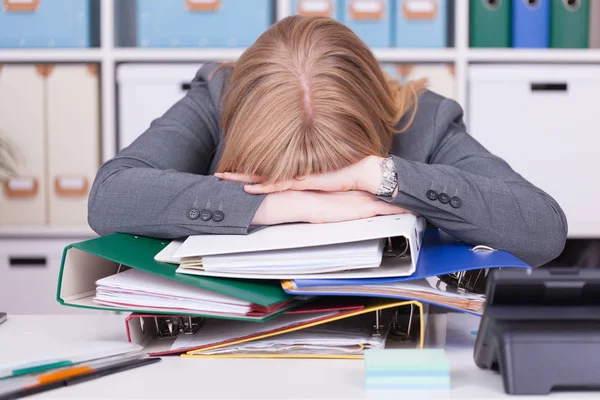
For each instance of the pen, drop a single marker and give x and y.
(69, 376)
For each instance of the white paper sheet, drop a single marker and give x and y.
(338, 337)
(139, 288)
(218, 330)
(315, 259)
(388, 268)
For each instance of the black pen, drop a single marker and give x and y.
(84, 377)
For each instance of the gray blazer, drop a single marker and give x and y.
(160, 185)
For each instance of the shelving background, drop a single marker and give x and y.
(109, 55)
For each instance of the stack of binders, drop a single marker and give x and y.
(534, 23)
(293, 290)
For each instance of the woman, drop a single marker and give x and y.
(307, 116)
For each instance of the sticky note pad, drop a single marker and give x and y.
(407, 369)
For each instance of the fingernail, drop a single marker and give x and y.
(218, 174)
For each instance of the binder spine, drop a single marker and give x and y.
(530, 23)
(569, 24)
(490, 23)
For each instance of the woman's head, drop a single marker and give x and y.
(308, 97)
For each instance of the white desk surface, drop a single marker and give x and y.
(174, 377)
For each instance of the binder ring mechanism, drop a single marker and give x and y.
(392, 326)
(396, 247)
(173, 326)
(20, 5)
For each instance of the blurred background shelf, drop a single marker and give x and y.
(50, 54)
(45, 232)
(534, 55)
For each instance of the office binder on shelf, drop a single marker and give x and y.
(594, 36)
(402, 233)
(569, 26)
(489, 22)
(84, 263)
(440, 255)
(378, 320)
(530, 23)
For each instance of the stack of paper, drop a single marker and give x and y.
(314, 259)
(350, 249)
(216, 331)
(137, 288)
(429, 290)
(343, 337)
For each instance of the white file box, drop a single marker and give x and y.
(22, 198)
(146, 91)
(440, 77)
(541, 120)
(73, 141)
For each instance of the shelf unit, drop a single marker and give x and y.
(108, 55)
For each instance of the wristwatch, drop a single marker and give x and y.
(389, 181)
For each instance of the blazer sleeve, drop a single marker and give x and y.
(159, 185)
(475, 196)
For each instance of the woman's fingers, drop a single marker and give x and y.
(260, 188)
(231, 176)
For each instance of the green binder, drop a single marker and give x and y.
(569, 25)
(85, 262)
(489, 22)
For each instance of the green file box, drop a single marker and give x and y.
(569, 25)
(489, 22)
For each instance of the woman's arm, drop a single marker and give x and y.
(158, 186)
(496, 206)
(483, 201)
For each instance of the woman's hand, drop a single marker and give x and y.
(320, 207)
(364, 176)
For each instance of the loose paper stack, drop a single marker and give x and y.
(338, 338)
(314, 259)
(135, 288)
(359, 249)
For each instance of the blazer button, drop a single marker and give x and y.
(432, 195)
(444, 198)
(193, 213)
(455, 202)
(218, 216)
(205, 215)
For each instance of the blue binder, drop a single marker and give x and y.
(530, 23)
(440, 254)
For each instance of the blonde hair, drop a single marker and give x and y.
(309, 97)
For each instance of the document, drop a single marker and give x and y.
(429, 290)
(152, 292)
(215, 331)
(351, 250)
(347, 336)
(315, 259)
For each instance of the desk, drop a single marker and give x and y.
(175, 377)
